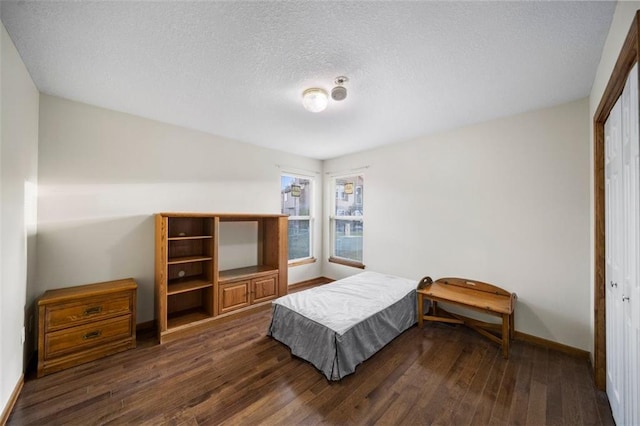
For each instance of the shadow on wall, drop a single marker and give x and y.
(101, 249)
(542, 322)
(537, 321)
(134, 252)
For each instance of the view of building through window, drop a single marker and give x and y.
(296, 201)
(348, 218)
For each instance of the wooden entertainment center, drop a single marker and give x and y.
(192, 291)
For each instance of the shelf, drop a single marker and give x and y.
(188, 227)
(246, 272)
(187, 284)
(195, 237)
(191, 291)
(187, 259)
(178, 319)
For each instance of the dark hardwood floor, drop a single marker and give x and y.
(235, 374)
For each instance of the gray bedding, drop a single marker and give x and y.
(337, 326)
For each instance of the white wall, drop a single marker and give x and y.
(622, 18)
(18, 165)
(103, 174)
(506, 202)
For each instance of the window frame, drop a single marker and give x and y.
(358, 191)
(310, 218)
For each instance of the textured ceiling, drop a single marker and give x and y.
(238, 69)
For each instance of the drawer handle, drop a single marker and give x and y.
(92, 335)
(92, 311)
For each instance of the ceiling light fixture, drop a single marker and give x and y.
(315, 99)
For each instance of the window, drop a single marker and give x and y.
(347, 221)
(296, 200)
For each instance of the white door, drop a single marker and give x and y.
(622, 272)
(613, 215)
(630, 289)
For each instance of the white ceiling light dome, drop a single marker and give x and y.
(315, 99)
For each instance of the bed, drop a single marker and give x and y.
(337, 326)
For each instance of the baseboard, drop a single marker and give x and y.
(12, 401)
(309, 283)
(149, 326)
(539, 341)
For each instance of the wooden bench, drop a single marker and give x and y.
(476, 295)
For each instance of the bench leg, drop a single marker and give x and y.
(512, 328)
(506, 334)
(420, 309)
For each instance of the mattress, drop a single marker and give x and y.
(337, 326)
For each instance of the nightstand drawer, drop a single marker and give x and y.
(85, 311)
(86, 336)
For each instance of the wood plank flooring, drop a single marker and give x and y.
(234, 374)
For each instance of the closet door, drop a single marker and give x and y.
(622, 227)
(630, 288)
(613, 270)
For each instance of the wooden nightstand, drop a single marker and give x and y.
(84, 323)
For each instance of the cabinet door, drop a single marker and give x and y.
(234, 295)
(264, 288)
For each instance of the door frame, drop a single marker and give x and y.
(626, 60)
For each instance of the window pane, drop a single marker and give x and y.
(299, 239)
(349, 193)
(295, 196)
(348, 239)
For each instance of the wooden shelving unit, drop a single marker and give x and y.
(191, 291)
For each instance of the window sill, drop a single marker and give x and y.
(302, 262)
(346, 262)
